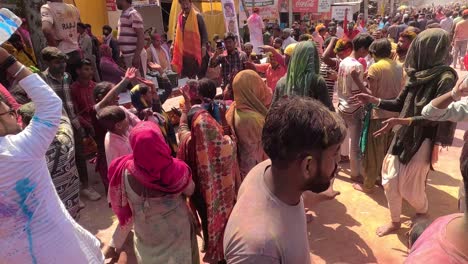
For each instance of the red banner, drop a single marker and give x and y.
(305, 6)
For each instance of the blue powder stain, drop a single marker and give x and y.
(23, 188)
(44, 122)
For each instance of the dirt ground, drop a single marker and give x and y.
(343, 230)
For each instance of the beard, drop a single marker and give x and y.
(320, 182)
(400, 51)
(119, 6)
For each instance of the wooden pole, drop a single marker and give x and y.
(290, 13)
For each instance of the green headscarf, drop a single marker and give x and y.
(427, 56)
(303, 70)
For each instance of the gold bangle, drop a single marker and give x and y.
(410, 121)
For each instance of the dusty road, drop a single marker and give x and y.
(343, 230)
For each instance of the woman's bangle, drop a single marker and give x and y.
(19, 71)
(380, 101)
(410, 120)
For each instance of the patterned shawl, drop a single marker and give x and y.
(213, 160)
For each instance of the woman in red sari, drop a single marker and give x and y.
(210, 151)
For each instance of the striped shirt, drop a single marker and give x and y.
(325, 72)
(129, 20)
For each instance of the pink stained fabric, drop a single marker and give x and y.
(116, 146)
(151, 164)
(8, 97)
(110, 70)
(433, 247)
(272, 75)
(11, 100)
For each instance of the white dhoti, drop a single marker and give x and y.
(407, 181)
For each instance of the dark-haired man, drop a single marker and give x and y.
(109, 40)
(190, 57)
(232, 62)
(348, 85)
(60, 81)
(36, 228)
(86, 46)
(384, 79)
(82, 94)
(59, 25)
(268, 225)
(131, 36)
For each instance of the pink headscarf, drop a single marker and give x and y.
(150, 164)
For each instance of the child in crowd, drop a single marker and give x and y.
(114, 120)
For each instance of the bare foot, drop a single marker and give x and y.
(387, 229)
(360, 187)
(328, 195)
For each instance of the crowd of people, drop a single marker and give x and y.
(234, 167)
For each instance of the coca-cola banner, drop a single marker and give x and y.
(305, 6)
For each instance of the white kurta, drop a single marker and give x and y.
(35, 227)
(256, 27)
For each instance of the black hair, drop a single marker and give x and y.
(143, 89)
(88, 26)
(84, 62)
(109, 116)
(107, 27)
(81, 25)
(381, 48)
(304, 37)
(14, 38)
(207, 88)
(362, 40)
(3, 100)
(230, 35)
(416, 231)
(299, 126)
(101, 90)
